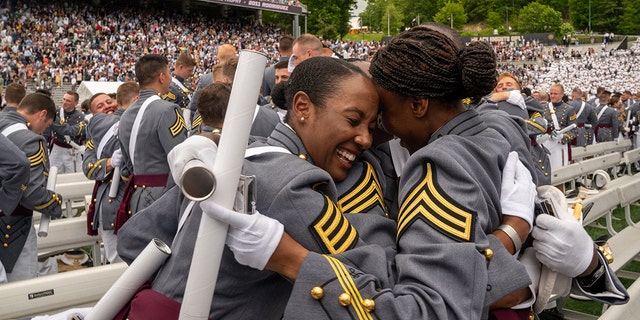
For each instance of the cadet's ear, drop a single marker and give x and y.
(301, 106)
(419, 106)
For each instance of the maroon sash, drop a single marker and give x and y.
(61, 144)
(19, 211)
(149, 304)
(597, 127)
(509, 314)
(149, 180)
(91, 211)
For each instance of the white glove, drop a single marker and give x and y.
(518, 190)
(516, 98)
(252, 238)
(116, 158)
(562, 244)
(193, 148)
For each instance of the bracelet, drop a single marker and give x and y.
(511, 232)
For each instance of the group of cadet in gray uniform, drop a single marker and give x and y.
(381, 234)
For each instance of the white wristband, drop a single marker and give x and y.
(511, 232)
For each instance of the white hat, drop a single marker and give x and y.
(75, 257)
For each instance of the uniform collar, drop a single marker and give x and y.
(467, 123)
(284, 136)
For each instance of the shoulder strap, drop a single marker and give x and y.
(602, 111)
(107, 136)
(13, 128)
(136, 126)
(580, 111)
(185, 215)
(556, 125)
(261, 150)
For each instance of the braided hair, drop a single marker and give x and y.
(432, 61)
(320, 78)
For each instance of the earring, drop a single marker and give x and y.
(301, 118)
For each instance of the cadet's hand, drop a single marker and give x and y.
(252, 237)
(562, 244)
(116, 158)
(194, 147)
(518, 190)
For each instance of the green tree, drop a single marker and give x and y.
(329, 18)
(630, 19)
(413, 8)
(537, 17)
(478, 10)
(451, 10)
(561, 6)
(579, 14)
(494, 20)
(605, 15)
(392, 20)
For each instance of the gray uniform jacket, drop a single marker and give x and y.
(162, 127)
(205, 80)
(449, 195)
(301, 196)
(178, 95)
(565, 114)
(14, 175)
(15, 228)
(535, 126)
(72, 125)
(95, 168)
(609, 123)
(586, 121)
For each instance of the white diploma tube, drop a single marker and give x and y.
(140, 270)
(210, 241)
(115, 182)
(43, 229)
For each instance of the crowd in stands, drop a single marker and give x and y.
(68, 42)
(616, 71)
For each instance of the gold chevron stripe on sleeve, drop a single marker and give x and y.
(333, 230)
(349, 287)
(536, 125)
(39, 157)
(89, 144)
(364, 195)
(196, 122)
(177, 127)
(96, 165)
(429, 203)
(573, 117)
(48, 203)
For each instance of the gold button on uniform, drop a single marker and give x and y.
(488, 253)
(92, 223)
(344, 299)
(369, 305)
(5, 245)
(317, 293)
(8, 227)
(302, 156)
(113, 225)
(6, 236)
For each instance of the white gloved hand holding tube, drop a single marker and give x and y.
(562, 244)
(193, 148)
(116, 158)
(251, 237)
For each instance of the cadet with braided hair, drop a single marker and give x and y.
(449, 193)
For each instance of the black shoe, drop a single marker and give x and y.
(551, 314)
